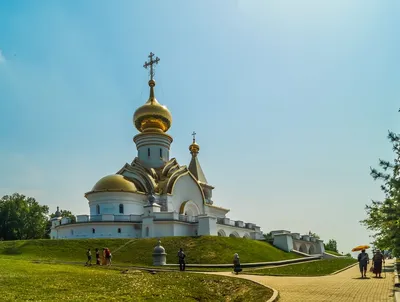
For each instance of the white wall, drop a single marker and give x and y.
(217, 212)
(284, 242)
(207, 225)
(109, 203)
(241, 232)
(185, 189)
(153, 143)
(102, 230)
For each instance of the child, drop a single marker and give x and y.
(89, 257)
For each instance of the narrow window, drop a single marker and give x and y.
(121, 208)
(119, 230)
(72, 232)
(97, 209)
(147, 231)
(93, 231)
(160, 152)
(148, 152)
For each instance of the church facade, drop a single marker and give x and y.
(153, 196)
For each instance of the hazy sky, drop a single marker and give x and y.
(291, 101)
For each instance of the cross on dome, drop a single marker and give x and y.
(150, 64)
(194, 136)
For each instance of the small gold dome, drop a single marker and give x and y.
(194, 148)
(152, 116)
(114, 182)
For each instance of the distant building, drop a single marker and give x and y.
(153, 196)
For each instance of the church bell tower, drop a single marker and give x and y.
(152, 120)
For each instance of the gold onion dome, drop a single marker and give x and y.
(194, 148)
(114, 182)
(152, 116)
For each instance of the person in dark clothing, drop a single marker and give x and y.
(378, 259)
(236, 264)
(181, 259)
(97, 256)
(89, 257)
(363, 260)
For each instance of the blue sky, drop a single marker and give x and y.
(291, 101)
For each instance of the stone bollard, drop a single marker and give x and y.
(159, 255)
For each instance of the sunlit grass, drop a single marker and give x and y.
(333, 253)
(199, 250)
(314, 268)
(22, 280)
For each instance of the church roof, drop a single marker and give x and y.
(194, 166)
(196, 170)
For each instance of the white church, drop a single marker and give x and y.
(153, 196)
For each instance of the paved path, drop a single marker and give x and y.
(344, 286)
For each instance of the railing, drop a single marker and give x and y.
(160, 216)
(238, 224)
(186, 218)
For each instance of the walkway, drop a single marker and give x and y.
(342, 287)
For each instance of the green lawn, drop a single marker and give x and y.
(314, 268)
(333, 253)
(22, 280)
(199, 250)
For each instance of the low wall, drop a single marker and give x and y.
(256, 264)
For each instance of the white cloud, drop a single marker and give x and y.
(2, 58)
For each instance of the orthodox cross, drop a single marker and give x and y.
(194, 136)
(150, 64)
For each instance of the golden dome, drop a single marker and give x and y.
(194, 148)
(114, 182)
(152, 116)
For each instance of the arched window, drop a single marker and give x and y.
(97, 209)
(119, 230)
(121, 208)
(72, 232)
(148, 152)
(160, 152)
(93, 231)
(147, 231)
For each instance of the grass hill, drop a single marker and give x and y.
(199, 250)
(333, 253)
(22, 280)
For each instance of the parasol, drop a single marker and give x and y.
(360, 248)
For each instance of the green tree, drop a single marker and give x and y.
(22, 217)
(331, 245)
(383, 217)
(315, 235)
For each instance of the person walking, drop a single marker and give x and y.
(181, 259)
(378, 259)
(363, 260)
(236, 264)
(97, 256)
(108, 256)
(89, 257)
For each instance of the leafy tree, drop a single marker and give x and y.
(331, 245)
(22, 217)
(383, 217)
(348, 255)
(315, 235)
(268, 236)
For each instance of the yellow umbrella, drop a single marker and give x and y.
(360, 248)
